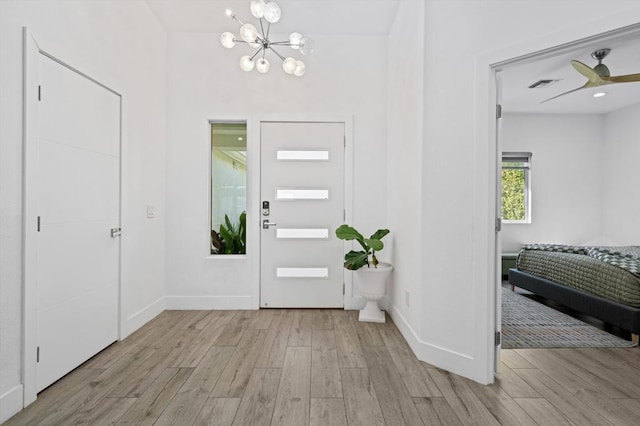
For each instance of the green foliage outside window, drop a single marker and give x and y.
(513, 194)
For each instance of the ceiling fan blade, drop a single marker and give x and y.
(565, 93)
(629, 78)
(588, 72)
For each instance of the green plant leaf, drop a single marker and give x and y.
(355, 260)
(374, 244)
(346, 232)
(379, 234)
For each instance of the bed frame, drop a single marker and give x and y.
(623, 316)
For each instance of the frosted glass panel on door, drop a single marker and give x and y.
(302, 194)
(302, 272)
(302, 233)
(303, 155)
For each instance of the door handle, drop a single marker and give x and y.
(116, 232)
(266, 224)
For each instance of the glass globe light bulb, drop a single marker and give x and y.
(230, 13)
(306, 45)
(294, 39)
(301, 68)
(228, 40)
(272, 12)
(262, 66)
(246, 63)
(257, 8)
(289, 65)
(249, 33)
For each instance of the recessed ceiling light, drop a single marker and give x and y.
(240, 138)
(599, 94)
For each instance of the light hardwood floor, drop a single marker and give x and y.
(323, 367)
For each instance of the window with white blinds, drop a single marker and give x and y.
(516, 187)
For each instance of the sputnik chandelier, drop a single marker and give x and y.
(269, 12)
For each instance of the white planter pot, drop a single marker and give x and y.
(373, 286)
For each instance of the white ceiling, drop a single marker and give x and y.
(311, 17)
(623, 59)
(375, 17)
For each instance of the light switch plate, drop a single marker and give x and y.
(151, 212)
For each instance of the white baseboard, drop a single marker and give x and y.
(209, 302)
(143, 316)
(10, 403)
(443, 358)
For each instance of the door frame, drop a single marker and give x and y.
(31, 56)
(487, 164)
(253, 198)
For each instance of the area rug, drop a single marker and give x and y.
(529, 324)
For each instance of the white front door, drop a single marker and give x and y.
(77, 192)
(302, 180)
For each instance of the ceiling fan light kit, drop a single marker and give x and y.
(269, 13)
(598, 75)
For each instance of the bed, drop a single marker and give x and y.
(603, 282)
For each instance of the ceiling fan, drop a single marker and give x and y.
(598, 75)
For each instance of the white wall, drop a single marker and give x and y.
(462, 39)
(621, 205)
(346, 77)
(566, 178)
(405, 98)
(122, 45)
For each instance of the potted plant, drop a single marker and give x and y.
(232, 238)
(372, 278)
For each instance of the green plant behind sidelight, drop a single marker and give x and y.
(355, 260)
(232, 238)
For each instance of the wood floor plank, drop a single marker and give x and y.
(185, 406)
(218, 412)
(461, 398)
(543, 411)
(566, 402)
(292, 402)
(262, 319)
(436, 411)
(394, 399)
(276, 341)
(500, 404)
(235, 376)
(325, 370)
(270, 367)
(513, 384)
(414, 375)
(368, 333)
(573, 377)
(149, 406)
(327, 412)
(107, 412)
(232, 333)
(51, 399)
(301, 329)
(347, 343)
(360, 400)
(257, 404)
(512, 359)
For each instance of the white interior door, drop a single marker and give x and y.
(302, 179)
(78, 202)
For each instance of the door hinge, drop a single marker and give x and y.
(498, 111)
(343, 291)
(498, 224)
(345, 140)
(38, 354)
(38, 223)
(498, 338)
(344, 214)
(39, 92)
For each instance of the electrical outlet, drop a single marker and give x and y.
(407, 297)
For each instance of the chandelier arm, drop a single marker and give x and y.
(262, 29)
(283, 43)
(277, 54)
(268, 29)
(256, 54)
